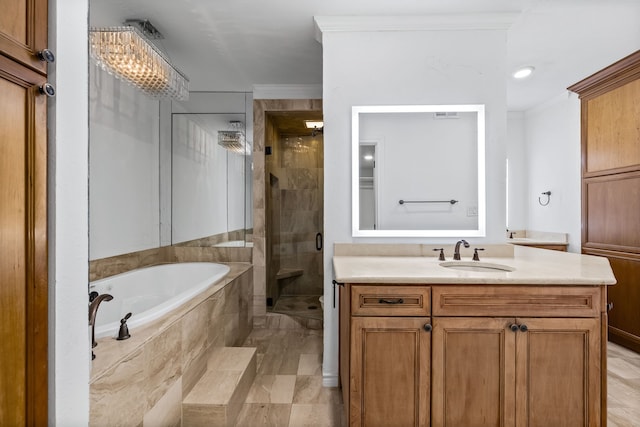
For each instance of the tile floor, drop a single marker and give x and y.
(623, 394)
(288, 392)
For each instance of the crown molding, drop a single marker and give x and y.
(436, 22)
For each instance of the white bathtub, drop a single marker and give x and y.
(149, 293)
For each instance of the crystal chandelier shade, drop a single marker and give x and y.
(234, 139)
(125, 53)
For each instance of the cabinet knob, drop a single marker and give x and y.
(47, 89)
(514, 327)
(427, 327)
(524, 328)
(46, 55)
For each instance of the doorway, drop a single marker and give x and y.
(294, 213)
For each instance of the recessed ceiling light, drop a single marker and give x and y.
(523, 73)
(368, 157)
(314, 124)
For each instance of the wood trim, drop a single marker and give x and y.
(599, 250)
(603, 364)
(37, 294)
(617, 74)
(624, 338)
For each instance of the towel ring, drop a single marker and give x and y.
(548, 194)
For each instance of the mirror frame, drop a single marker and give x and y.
(356, 111)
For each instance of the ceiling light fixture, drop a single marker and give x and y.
(234, 140)
(523, 72)
(314, 124)
(127, 53)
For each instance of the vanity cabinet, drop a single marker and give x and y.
(473, 355)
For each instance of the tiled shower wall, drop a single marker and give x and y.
(260, 109)
(297, 163)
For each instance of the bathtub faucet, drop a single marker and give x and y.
(93, 310)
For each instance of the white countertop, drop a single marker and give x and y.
(531, 237)
(531, 266)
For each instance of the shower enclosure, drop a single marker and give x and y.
(294, 217)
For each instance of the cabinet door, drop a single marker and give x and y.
(23, 31)
(390, 372)
(473, 369)
(558, 372)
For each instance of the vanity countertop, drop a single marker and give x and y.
(531, 237)
(531, 266)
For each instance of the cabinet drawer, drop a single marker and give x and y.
(535, 301)
(390, 300)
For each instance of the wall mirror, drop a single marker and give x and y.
(211, 179)
(418, 171)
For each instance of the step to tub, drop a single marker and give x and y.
(218, 396)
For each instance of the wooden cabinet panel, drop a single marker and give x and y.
(380, 300)
(558, 301)
(613, 206)
(473, 372)
(23, 31)
(613, 129)
(610, 118)
(568, 394)
(624, 317)
(390, 375)
(23, 244)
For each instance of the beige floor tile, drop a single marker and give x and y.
(264, 414)
(622, 368)
(309, 389)
(316, 415)
(272, 389)
(310, 364)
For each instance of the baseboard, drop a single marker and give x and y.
(329, 380)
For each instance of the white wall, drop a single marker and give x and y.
(405, 67)
(124, 172)
(518, 173)
(552, 133)
(69, 344)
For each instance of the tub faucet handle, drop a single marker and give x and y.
(123, 334)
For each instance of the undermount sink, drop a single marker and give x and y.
(477, 266)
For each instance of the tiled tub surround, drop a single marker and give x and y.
(105, 267)
(144, 379)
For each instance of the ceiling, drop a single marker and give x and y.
(230, 45)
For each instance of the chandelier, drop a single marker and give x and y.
(234, 139)
(129, 56)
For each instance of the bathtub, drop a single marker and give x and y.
(149, 293)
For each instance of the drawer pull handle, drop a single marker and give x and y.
(391, 301)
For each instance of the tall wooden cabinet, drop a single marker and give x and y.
(610, 103)
(23, 214)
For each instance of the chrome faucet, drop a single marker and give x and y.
(94, 303)
(456, 253)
